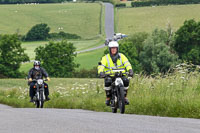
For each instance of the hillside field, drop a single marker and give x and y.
(146, 19)
(82, 19)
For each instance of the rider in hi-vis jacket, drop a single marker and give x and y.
(114, 60)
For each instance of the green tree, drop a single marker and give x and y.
(156, 56)
(130, 51)
(11, 56)
(57, 58)
(38, 32)
(187, 39)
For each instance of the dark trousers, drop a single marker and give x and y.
(33, 90)
(108, 82)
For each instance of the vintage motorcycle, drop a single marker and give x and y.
(39, 97)
(117, 91)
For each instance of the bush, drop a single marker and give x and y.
(162, 2)
(187, 41)
(38, 32)
(156, 56)
(11, 56)
(84, 73)
(62, 35)
(120, 5)
(57, 58)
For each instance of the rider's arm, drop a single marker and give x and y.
(30, 73)
(126, 63)
(44, 73)
(102, 65)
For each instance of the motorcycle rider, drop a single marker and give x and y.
(37, 72)
(114, 60)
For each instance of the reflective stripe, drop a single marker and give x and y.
(125, 62)
(119, 69)
(102, 65)
(121, 59)
(114, 66)
(108, 61)
(128, 65)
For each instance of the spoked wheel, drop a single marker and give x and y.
(114, 104)
(41, 101)
(121, 100)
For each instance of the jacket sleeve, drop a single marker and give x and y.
(30, 73)
(44, 73)
(126, 63)
(102, 66)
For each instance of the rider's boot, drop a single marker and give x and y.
(31, 100)
(107, 101)
(108, 94)
(126, 99)
(47, 98)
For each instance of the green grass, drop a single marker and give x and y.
(175, 95)
(90, 59)
(146, 19)
(78, 18)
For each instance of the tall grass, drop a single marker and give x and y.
(175, 95)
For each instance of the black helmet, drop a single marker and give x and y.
(36, 63)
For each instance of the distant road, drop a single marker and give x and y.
(28, 120)
(109, 26)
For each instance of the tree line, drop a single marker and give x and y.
(162, 2)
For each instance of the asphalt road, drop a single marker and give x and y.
(17, 120)
(109, 26)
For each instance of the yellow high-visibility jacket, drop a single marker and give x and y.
(107, 64)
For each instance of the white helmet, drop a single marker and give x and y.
(113, 44)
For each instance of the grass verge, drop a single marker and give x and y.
(175, 95)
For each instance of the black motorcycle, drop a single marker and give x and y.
(39, 97)
(117, 92)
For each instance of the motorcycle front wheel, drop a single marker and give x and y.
(121, 100)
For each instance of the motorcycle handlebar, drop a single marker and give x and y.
(42, 79)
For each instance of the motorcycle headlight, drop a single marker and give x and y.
(40, 81)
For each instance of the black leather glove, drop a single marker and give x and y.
(130, 73)
(102, 75)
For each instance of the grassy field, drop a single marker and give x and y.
(90, 59)
(79, 44)
(80, 18)
(175, 95)
(131, 20)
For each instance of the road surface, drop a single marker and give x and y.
(30, 120)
